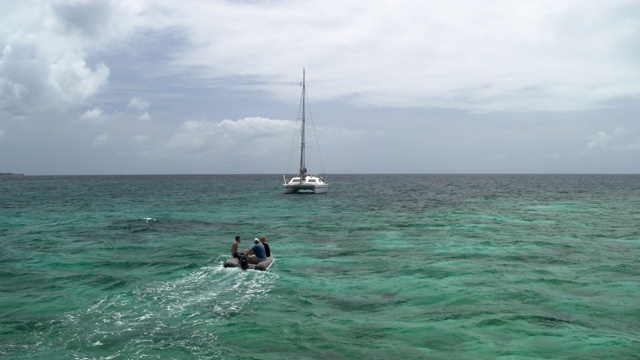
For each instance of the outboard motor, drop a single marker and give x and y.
(244, 263)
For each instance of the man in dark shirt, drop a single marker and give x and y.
(264, 242)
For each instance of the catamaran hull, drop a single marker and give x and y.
(302, 189)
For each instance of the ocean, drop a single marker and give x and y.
(381, 267)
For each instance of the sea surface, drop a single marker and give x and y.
(381, 267)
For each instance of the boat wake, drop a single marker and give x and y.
(157, 316)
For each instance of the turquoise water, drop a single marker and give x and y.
(381, 267)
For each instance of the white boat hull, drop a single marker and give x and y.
(305, 188)
(312, 184)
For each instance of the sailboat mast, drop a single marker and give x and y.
(303, 168)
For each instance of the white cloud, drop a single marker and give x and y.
(253, 136)
(101, 140)
(139, 104)
(478, 56)
(144, 116)
(40, 74)
(619, 139)
(46, 45)
(599, 139)
(472, 55)
(73, 81)
(229, 134)
(95, 115)
(602, 139)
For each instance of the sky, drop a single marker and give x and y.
(394, 86)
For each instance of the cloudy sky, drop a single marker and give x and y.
(396, 86)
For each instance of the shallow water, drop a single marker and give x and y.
(391, 266)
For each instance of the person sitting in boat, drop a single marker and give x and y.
(264, 242)
(257, 253)
(234, 248)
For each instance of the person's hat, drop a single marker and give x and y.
(255, 241)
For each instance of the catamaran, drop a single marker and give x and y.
(304, 182)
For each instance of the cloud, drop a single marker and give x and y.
(46, 47)
(36, 76)
(228, 134)
(472, 55)
(478, 56)
(33, 81)
(144, 116)
(599, 139)
(101, 140)
(95, 115)
(252, 136)
(619, 139)
(73, 81)
(139, 104)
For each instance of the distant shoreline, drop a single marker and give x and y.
(11, 174)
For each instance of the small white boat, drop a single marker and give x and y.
(304, 182)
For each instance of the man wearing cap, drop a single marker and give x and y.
(257, 253)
